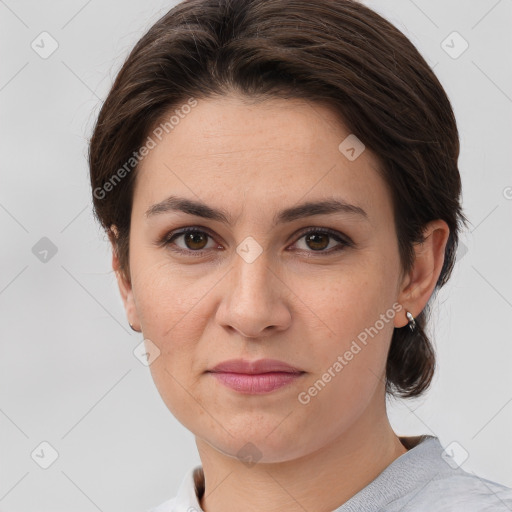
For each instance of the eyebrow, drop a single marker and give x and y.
(199, 209)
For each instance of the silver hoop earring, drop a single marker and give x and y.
(412, 322)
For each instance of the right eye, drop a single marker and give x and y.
(193, 241)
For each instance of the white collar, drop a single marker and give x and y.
(187, 497)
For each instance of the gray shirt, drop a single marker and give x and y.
(426, 478)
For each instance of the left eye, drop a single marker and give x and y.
(319, 240)
(315, 240)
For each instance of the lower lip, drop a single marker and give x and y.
(255, 383)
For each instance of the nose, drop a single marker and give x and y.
(255, 301)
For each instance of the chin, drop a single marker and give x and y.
(259, 442)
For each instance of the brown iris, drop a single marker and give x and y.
(196, 240)
(317, 241)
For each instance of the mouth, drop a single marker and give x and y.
(255, 377)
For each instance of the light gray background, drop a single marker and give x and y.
(67, 372)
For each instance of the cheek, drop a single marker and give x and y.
(351, 300)
(172, 315)
(168, 301)
(349, 366)
(350, 355)
(171, 310)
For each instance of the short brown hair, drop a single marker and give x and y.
(337, 52)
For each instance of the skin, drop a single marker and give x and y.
(292, 303)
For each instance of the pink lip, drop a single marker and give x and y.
(253, 367)
(255, 377)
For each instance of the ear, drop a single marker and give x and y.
(419, 284)
(124, 284)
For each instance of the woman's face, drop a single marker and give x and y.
(251, 283)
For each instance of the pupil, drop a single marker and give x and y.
(316, 239)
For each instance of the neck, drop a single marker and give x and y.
(322, 480)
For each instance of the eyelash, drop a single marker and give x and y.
(167, 240)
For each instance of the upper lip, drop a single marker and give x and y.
(254, 367)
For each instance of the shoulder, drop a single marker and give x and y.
(459, 492)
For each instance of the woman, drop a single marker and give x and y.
(279, 183)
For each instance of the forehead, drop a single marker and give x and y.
(231, 126)
(266, 154)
